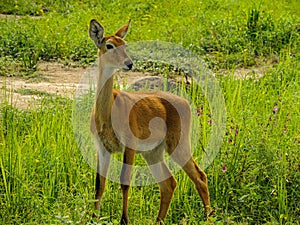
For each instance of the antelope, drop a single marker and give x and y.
(173, 136)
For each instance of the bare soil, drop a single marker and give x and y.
(57, 79)
(53, 78)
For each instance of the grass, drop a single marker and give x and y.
(255, 178)
(225, 34)
(26, 91)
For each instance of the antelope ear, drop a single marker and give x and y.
(96, 32)
(122, 31)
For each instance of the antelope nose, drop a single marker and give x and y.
(129, 64)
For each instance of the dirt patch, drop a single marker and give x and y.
(53, 78)
(253, 73)
(58, 79)
(14, 17)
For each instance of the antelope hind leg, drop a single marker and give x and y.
(200, 180)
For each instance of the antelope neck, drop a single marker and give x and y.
(104, 93)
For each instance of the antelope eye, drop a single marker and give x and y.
(109, 46)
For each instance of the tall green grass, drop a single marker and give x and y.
(256, 177)
(262, 157)
(39, 158)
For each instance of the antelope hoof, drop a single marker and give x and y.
(210, 212)
(159, 221)
(124, 221)
(95, 215)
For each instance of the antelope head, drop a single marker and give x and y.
(111, 49)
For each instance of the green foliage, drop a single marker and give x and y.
(37, 7)
(261, 158)
(225, 33)
(254, 180)
(38, 155)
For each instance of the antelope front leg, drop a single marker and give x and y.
(125, 182)
(103, 160)
(99, 189)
